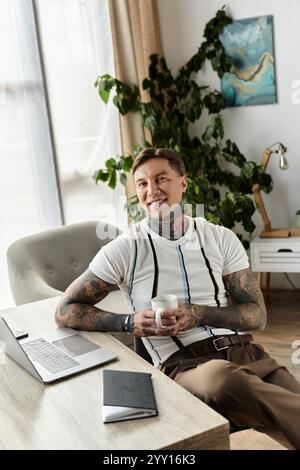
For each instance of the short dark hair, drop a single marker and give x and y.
(175, 161)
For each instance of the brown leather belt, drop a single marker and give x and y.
(206, 346)
(217, 343)
(225, 342)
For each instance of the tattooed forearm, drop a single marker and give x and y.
(248, 313)
(246, 317)
(76, 308)
(87, 317)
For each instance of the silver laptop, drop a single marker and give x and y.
(65, 353)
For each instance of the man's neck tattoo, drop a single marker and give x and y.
(172, 227)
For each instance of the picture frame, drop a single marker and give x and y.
(251, 80)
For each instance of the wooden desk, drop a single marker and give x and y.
(68, 414)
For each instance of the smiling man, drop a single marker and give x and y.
(160, 184)
(206, 348)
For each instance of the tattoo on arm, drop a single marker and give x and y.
(248, 312)
(88, 289)
(244, 290)
(76, 308)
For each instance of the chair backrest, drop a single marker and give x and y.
(44, 264)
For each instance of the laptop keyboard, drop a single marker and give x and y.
(49, 356)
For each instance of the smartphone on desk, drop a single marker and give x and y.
(20, 334)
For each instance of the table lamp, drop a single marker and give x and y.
(268, 231)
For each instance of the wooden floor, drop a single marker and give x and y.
(282, 329)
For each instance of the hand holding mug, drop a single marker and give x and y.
(162, 303)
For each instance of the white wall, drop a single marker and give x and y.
(253, 128)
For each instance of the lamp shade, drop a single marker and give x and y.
(283, 163)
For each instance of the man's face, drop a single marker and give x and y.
(158, 186)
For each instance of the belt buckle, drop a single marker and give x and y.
(216, 346)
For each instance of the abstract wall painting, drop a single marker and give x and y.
(251, 80)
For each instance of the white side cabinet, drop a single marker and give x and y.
(275, 255)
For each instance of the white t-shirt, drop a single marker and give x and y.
(128, 261)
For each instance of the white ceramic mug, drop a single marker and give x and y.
(161, 303)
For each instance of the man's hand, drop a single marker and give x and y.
(144, 323)
(189, 315)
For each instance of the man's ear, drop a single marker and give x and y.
(184, 183)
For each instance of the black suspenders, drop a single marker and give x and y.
(211, 274)
(155, 283)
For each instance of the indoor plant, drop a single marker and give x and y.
(219, 176)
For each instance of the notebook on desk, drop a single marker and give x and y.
(63, 353)
(127, 395)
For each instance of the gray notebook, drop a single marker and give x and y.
(127, 395)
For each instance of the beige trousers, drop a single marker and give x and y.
(249, 388)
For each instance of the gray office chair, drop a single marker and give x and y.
(44, 264)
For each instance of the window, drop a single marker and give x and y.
(54, 130)
(76, 45)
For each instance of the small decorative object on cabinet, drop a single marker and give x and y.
(295, 230)
(297, 218)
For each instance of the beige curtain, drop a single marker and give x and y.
(135, 34)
